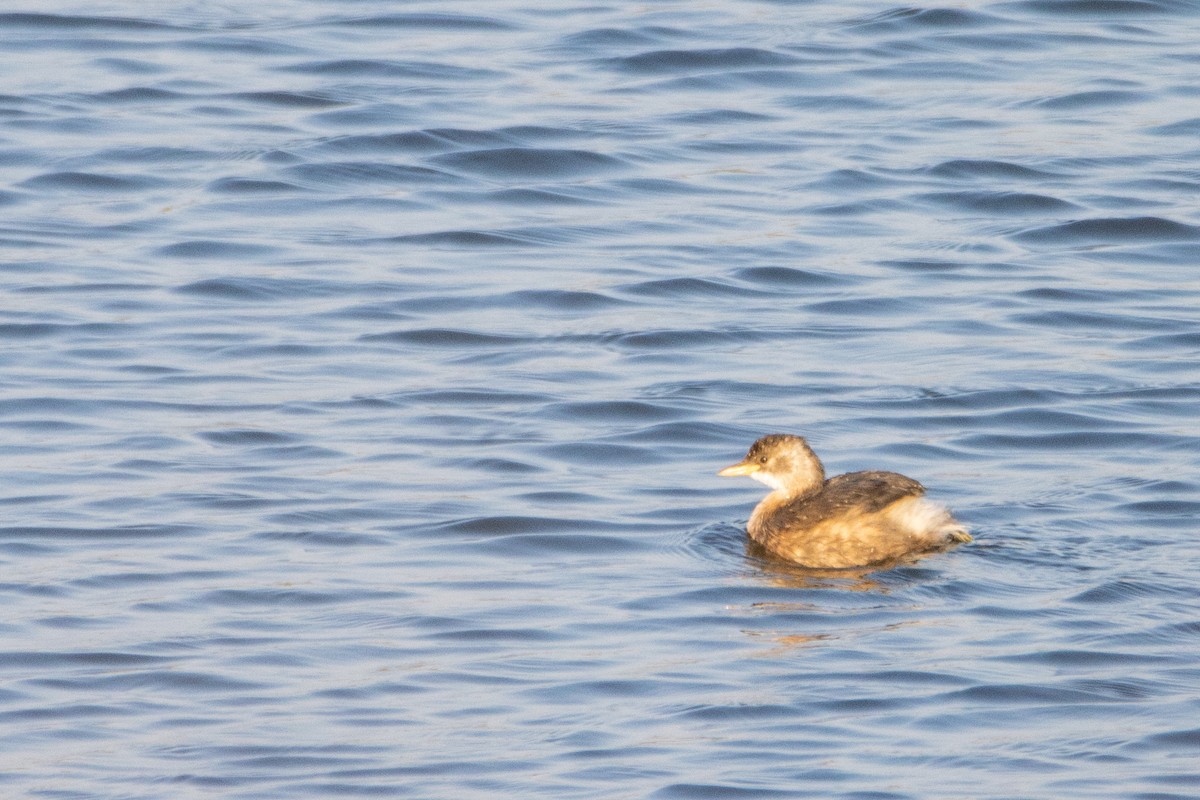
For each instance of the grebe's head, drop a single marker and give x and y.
(784, 462)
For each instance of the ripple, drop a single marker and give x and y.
(1078, 320)
(211, 249)
(1000, 202)
(613, 411)
(1093, 99)
(1185, 342)
(97, 659)
(530, 163)
(1170, 741)
(379, 68)
(541, 545)
(469, 239)
(606, 38)
(268, 597)
(1019, 694)
(599, 453)
(700, 791)
(440, 337)
(1112, 230)
(429, 140)
(243, 186)
(1122, 591)
(788, 277)
(1101, 8)
(286, 99)
(660, 62)
(505, 526)
(364, 174)
(42, 330)
(254, 438)
(252, 289)
(424, 21)
(91, 182)
(970, 169)
(138, 94)
(126, 532)
(685, 287)
(78, 22)
(560, 300)
(1185, 127)
(923, 18)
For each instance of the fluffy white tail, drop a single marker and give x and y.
(926, 518)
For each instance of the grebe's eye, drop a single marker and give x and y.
(762, 459)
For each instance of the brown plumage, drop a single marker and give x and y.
(852, 520)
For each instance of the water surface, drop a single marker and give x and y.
(365, 367)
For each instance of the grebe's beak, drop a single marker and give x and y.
(740, 468)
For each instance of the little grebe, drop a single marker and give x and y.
(852, 520)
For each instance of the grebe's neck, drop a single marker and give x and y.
(793, 471)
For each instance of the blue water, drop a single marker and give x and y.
(365, 367)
